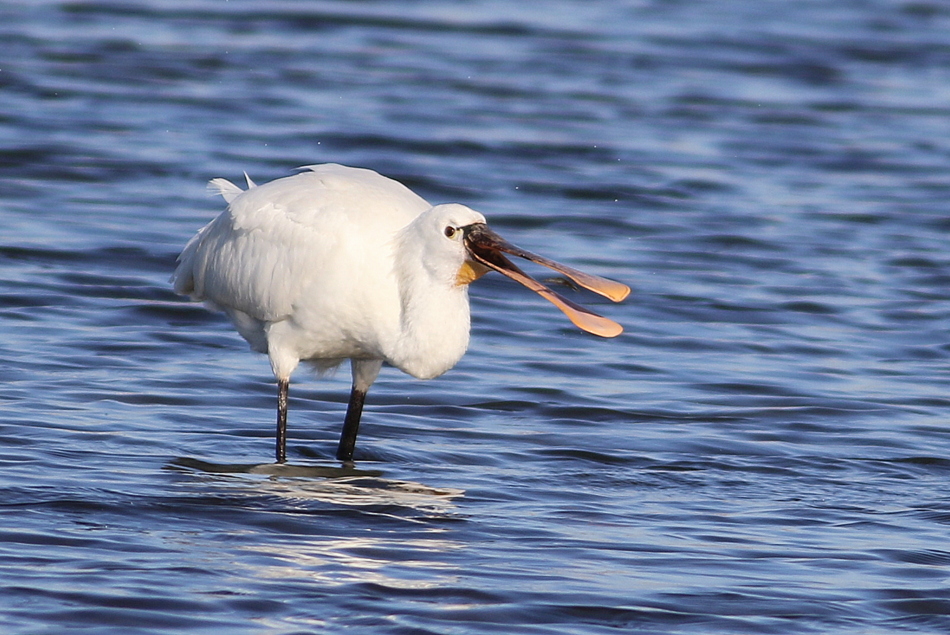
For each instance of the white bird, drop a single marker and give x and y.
(337, 263)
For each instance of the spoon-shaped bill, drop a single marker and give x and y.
(485, 239)
(485, 247)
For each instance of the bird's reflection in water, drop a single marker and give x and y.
(304, 541)
(344, 485)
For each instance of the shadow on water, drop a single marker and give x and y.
(345, 485)
(272, 469)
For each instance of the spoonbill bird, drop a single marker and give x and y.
(337, 263)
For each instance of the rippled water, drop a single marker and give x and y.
(765, 450)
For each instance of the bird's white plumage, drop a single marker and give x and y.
(335, 263)
(340, 263)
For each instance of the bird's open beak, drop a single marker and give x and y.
(485, 248)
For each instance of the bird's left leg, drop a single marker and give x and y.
(365, 372)
(283, 388)
(283, 360)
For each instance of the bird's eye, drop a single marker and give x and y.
(450, 232)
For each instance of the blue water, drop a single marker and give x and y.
(765, 450)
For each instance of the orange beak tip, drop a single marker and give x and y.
(592, 323)
(620, 293)
(609, 330)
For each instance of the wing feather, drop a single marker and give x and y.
(297, 235)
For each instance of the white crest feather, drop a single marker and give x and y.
(226, 188)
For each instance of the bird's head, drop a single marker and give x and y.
(464, 243)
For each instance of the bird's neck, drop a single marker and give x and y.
(434, 330)
(434, 314)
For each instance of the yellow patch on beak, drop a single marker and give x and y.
(470, 272)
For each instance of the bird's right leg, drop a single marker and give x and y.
(365, 372)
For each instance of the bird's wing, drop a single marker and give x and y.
(277, 241)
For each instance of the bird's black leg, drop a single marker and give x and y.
(283, 387)
(364, 374)
(351, 425)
